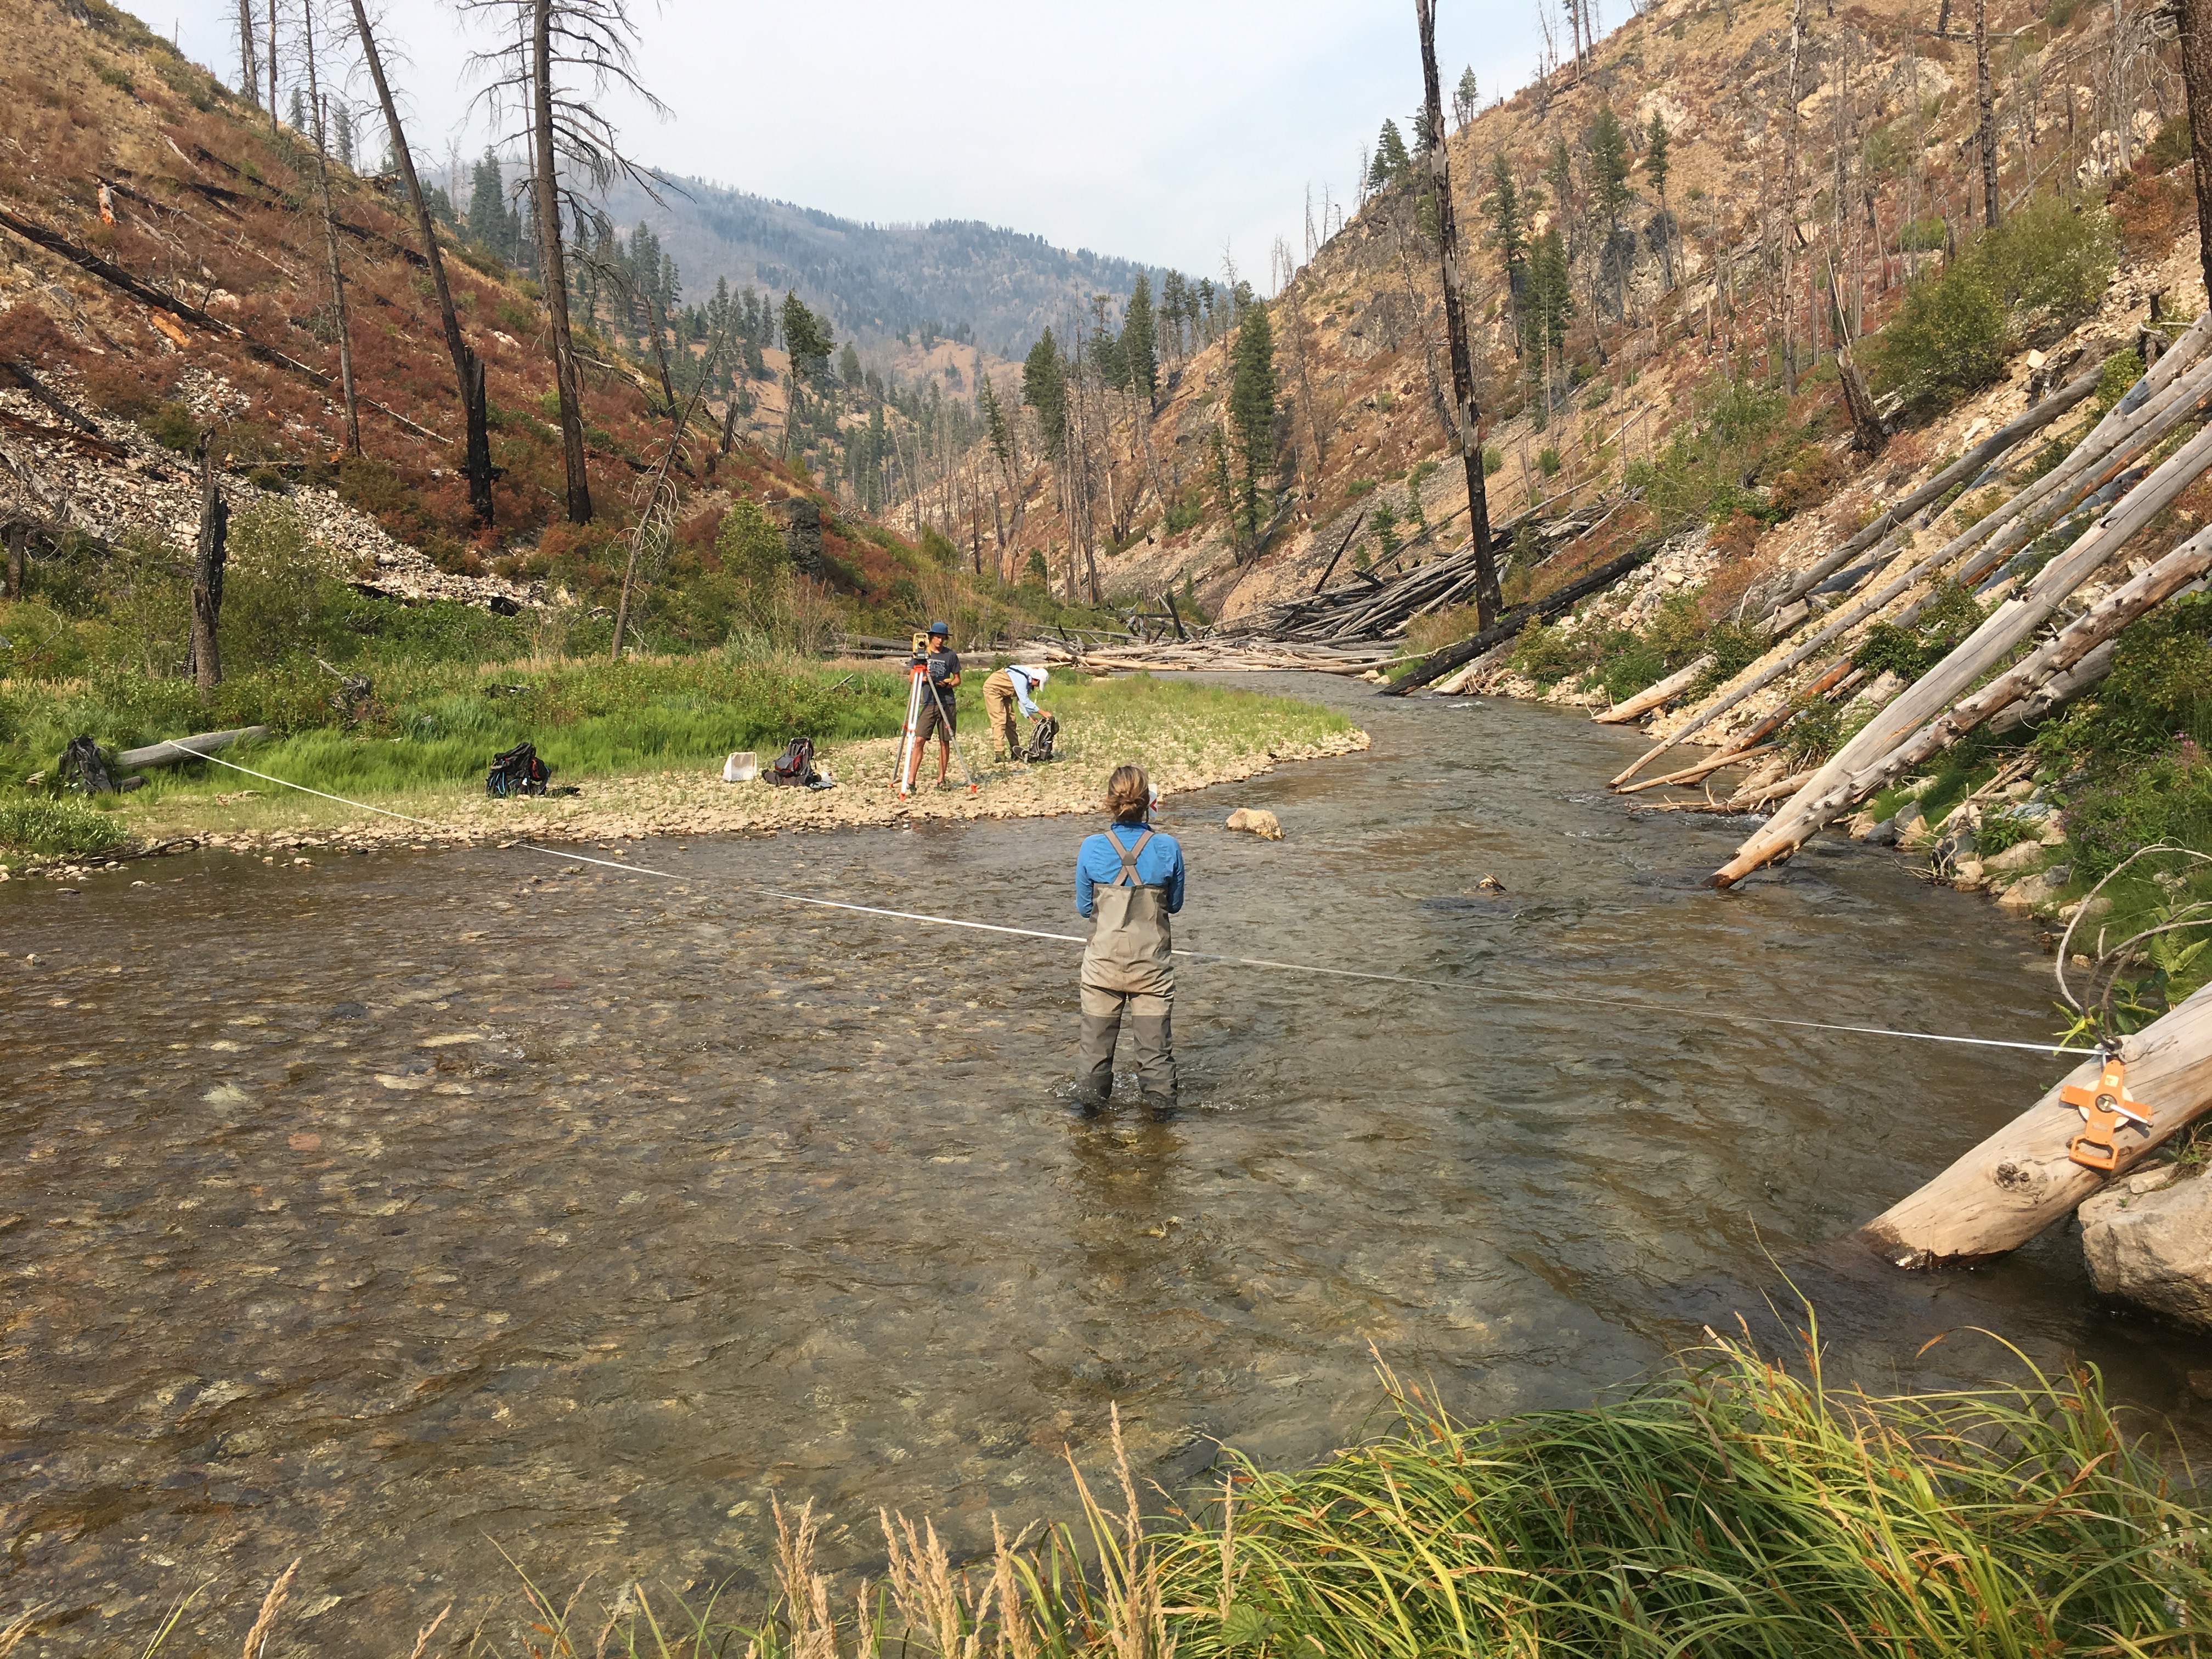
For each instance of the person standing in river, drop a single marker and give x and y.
(1128, 882)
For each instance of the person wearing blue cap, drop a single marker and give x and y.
(939, 713)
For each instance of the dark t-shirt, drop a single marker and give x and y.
(943, 664)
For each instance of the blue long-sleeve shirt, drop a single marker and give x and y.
(1023, 685)
(1099, 865)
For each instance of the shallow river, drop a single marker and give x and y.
(403, 1209)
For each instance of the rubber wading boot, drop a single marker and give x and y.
(1160, 1107)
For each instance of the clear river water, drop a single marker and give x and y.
(412, 1211)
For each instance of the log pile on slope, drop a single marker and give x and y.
(1246, 654)
(1368, 606)
(2094, 503)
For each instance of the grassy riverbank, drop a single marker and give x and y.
(643, 739)
(1735, 1507)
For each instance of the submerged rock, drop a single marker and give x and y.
(2149, 1240)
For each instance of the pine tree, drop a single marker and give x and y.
(299, 110)
(1511, 232)
(1559, 174)
(1392, 160)
(807, 337)
(1175, 301)
(994, 420)
(1044, 388)
(1252, 411)
(1655, 144)
(849, 365)
(1139, 357)
(1466, 98)
(1607, 145)
(341, 131)
(487, 219)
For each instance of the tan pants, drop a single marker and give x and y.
(1150, 1018)
(1001, 713)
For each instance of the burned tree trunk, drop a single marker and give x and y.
(207, 558)
(2196, 76)
(1868, 433)
(468, 369)
(546, 198)
(330, 244)
(1469, 420)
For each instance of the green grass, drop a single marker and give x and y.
(1734, 1508)
(430, 729)
(56, 828)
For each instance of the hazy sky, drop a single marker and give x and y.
(1157, 130)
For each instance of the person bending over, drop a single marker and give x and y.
(1128, 881)
(1011, 687)
(938, 712)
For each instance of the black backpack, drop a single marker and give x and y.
(1040, 737)
(795, 765)
(517, 772)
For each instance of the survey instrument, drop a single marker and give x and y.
(921, 693)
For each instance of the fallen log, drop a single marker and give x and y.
(169, 753)
(115, 276)
(1652, 696)
(2180, 569)
(2124, 433)
(1704, 768)
(2019, 1180)
(1442, 662)
(1965, 469)
(1982, 651)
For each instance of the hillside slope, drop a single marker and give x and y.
(1665, 308)
(980, 284)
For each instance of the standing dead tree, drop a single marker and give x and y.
(2197, 78)
(468, 368)
(564, 55)
(209, 552)
(1463, 363)
(331, 235)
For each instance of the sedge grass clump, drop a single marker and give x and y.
(55, 829)
(1734, 1508)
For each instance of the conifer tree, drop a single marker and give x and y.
(1175, 301)
(1607, 147)
(1466, 98)
(1044, 388)
(341, 132)
(1252, 412)
(1510, 230)
(1655, 161)
(1392, 160)
(849, 365)
(488, 225)
(1139, 358)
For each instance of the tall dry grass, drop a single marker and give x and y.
(1736, 1508)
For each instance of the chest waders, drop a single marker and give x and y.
(1128, 971)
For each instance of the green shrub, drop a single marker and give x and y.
(37, 643)
(172, 425)
(2121, 372)
(2167, 798)
(1546, 655)
(56, 828)
(1186, 510)
(1493, 461)
(1926, 235)
(2045, 267)
(1948, 338)
(2003, 830)
(1547, 461)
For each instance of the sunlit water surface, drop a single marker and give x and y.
(410, 1208)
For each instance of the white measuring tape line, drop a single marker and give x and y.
(1523, 993)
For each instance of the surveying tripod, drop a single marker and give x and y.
(921, 693)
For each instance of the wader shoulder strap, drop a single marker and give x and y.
(1128, 876)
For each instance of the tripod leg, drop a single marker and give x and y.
(909, 747)
(953, 738)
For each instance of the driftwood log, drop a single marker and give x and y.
(168, 753)
(2019, 1180)
(1652, 696)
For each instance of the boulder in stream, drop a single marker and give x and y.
(2149, 1240)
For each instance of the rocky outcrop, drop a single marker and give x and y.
(2149, 1240)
